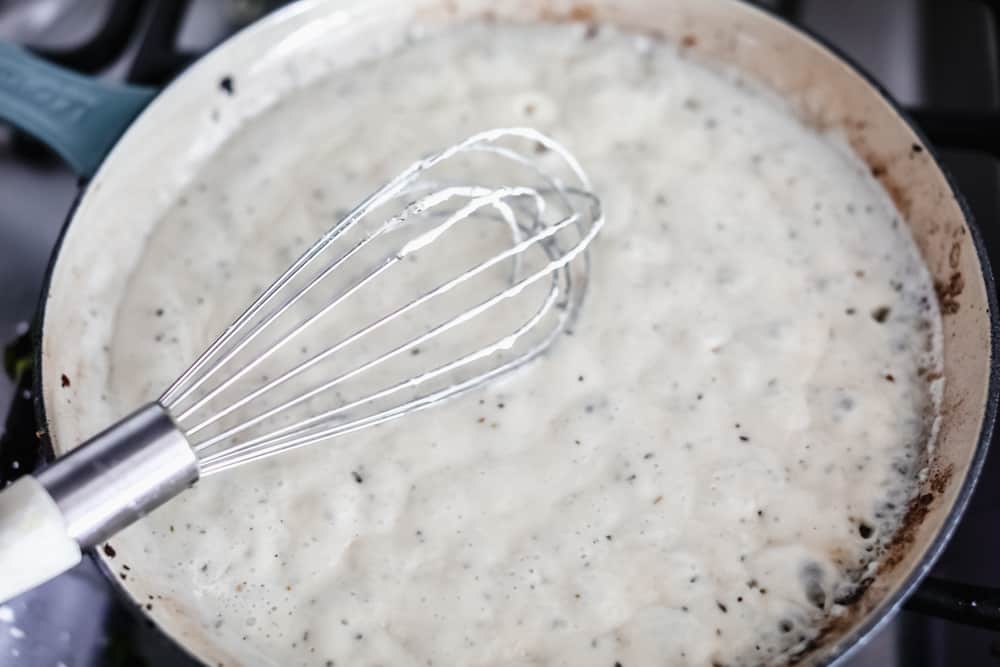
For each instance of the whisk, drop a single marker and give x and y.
(504, 219)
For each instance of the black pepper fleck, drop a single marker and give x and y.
(880, 314)
(357, 476)
(227, 85)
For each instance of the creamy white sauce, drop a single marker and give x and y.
(697, 475)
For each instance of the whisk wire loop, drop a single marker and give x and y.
(394, 315)
(538, 211)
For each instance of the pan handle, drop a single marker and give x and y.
(961, 603)
(77, 117)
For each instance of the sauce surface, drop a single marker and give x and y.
(697, 476)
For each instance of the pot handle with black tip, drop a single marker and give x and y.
(965, 604)
(78, 117)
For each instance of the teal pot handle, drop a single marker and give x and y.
(77, 117)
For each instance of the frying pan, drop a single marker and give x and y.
(181, 127)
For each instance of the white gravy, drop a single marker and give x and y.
(696, 477)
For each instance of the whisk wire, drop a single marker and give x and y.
(486, 196)
(280, 439)
(436, 331)
(314, 428)
(295, 437)
(392, 316)
(523, 208)
(183, 385)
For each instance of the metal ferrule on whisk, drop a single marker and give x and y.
(121, 474)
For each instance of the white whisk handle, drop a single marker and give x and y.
(105, 484)
(34, 543)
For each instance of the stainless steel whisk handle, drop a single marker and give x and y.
(102, 486)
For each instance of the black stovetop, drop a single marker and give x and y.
(939, 58)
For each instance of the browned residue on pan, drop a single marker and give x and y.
(897, 193)
(948, 287)
(881, 167)
(582, 13)
(954, 255)
(872, 590)
(947, 291)
(918, 508)
(835, 627)
(939, 482)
